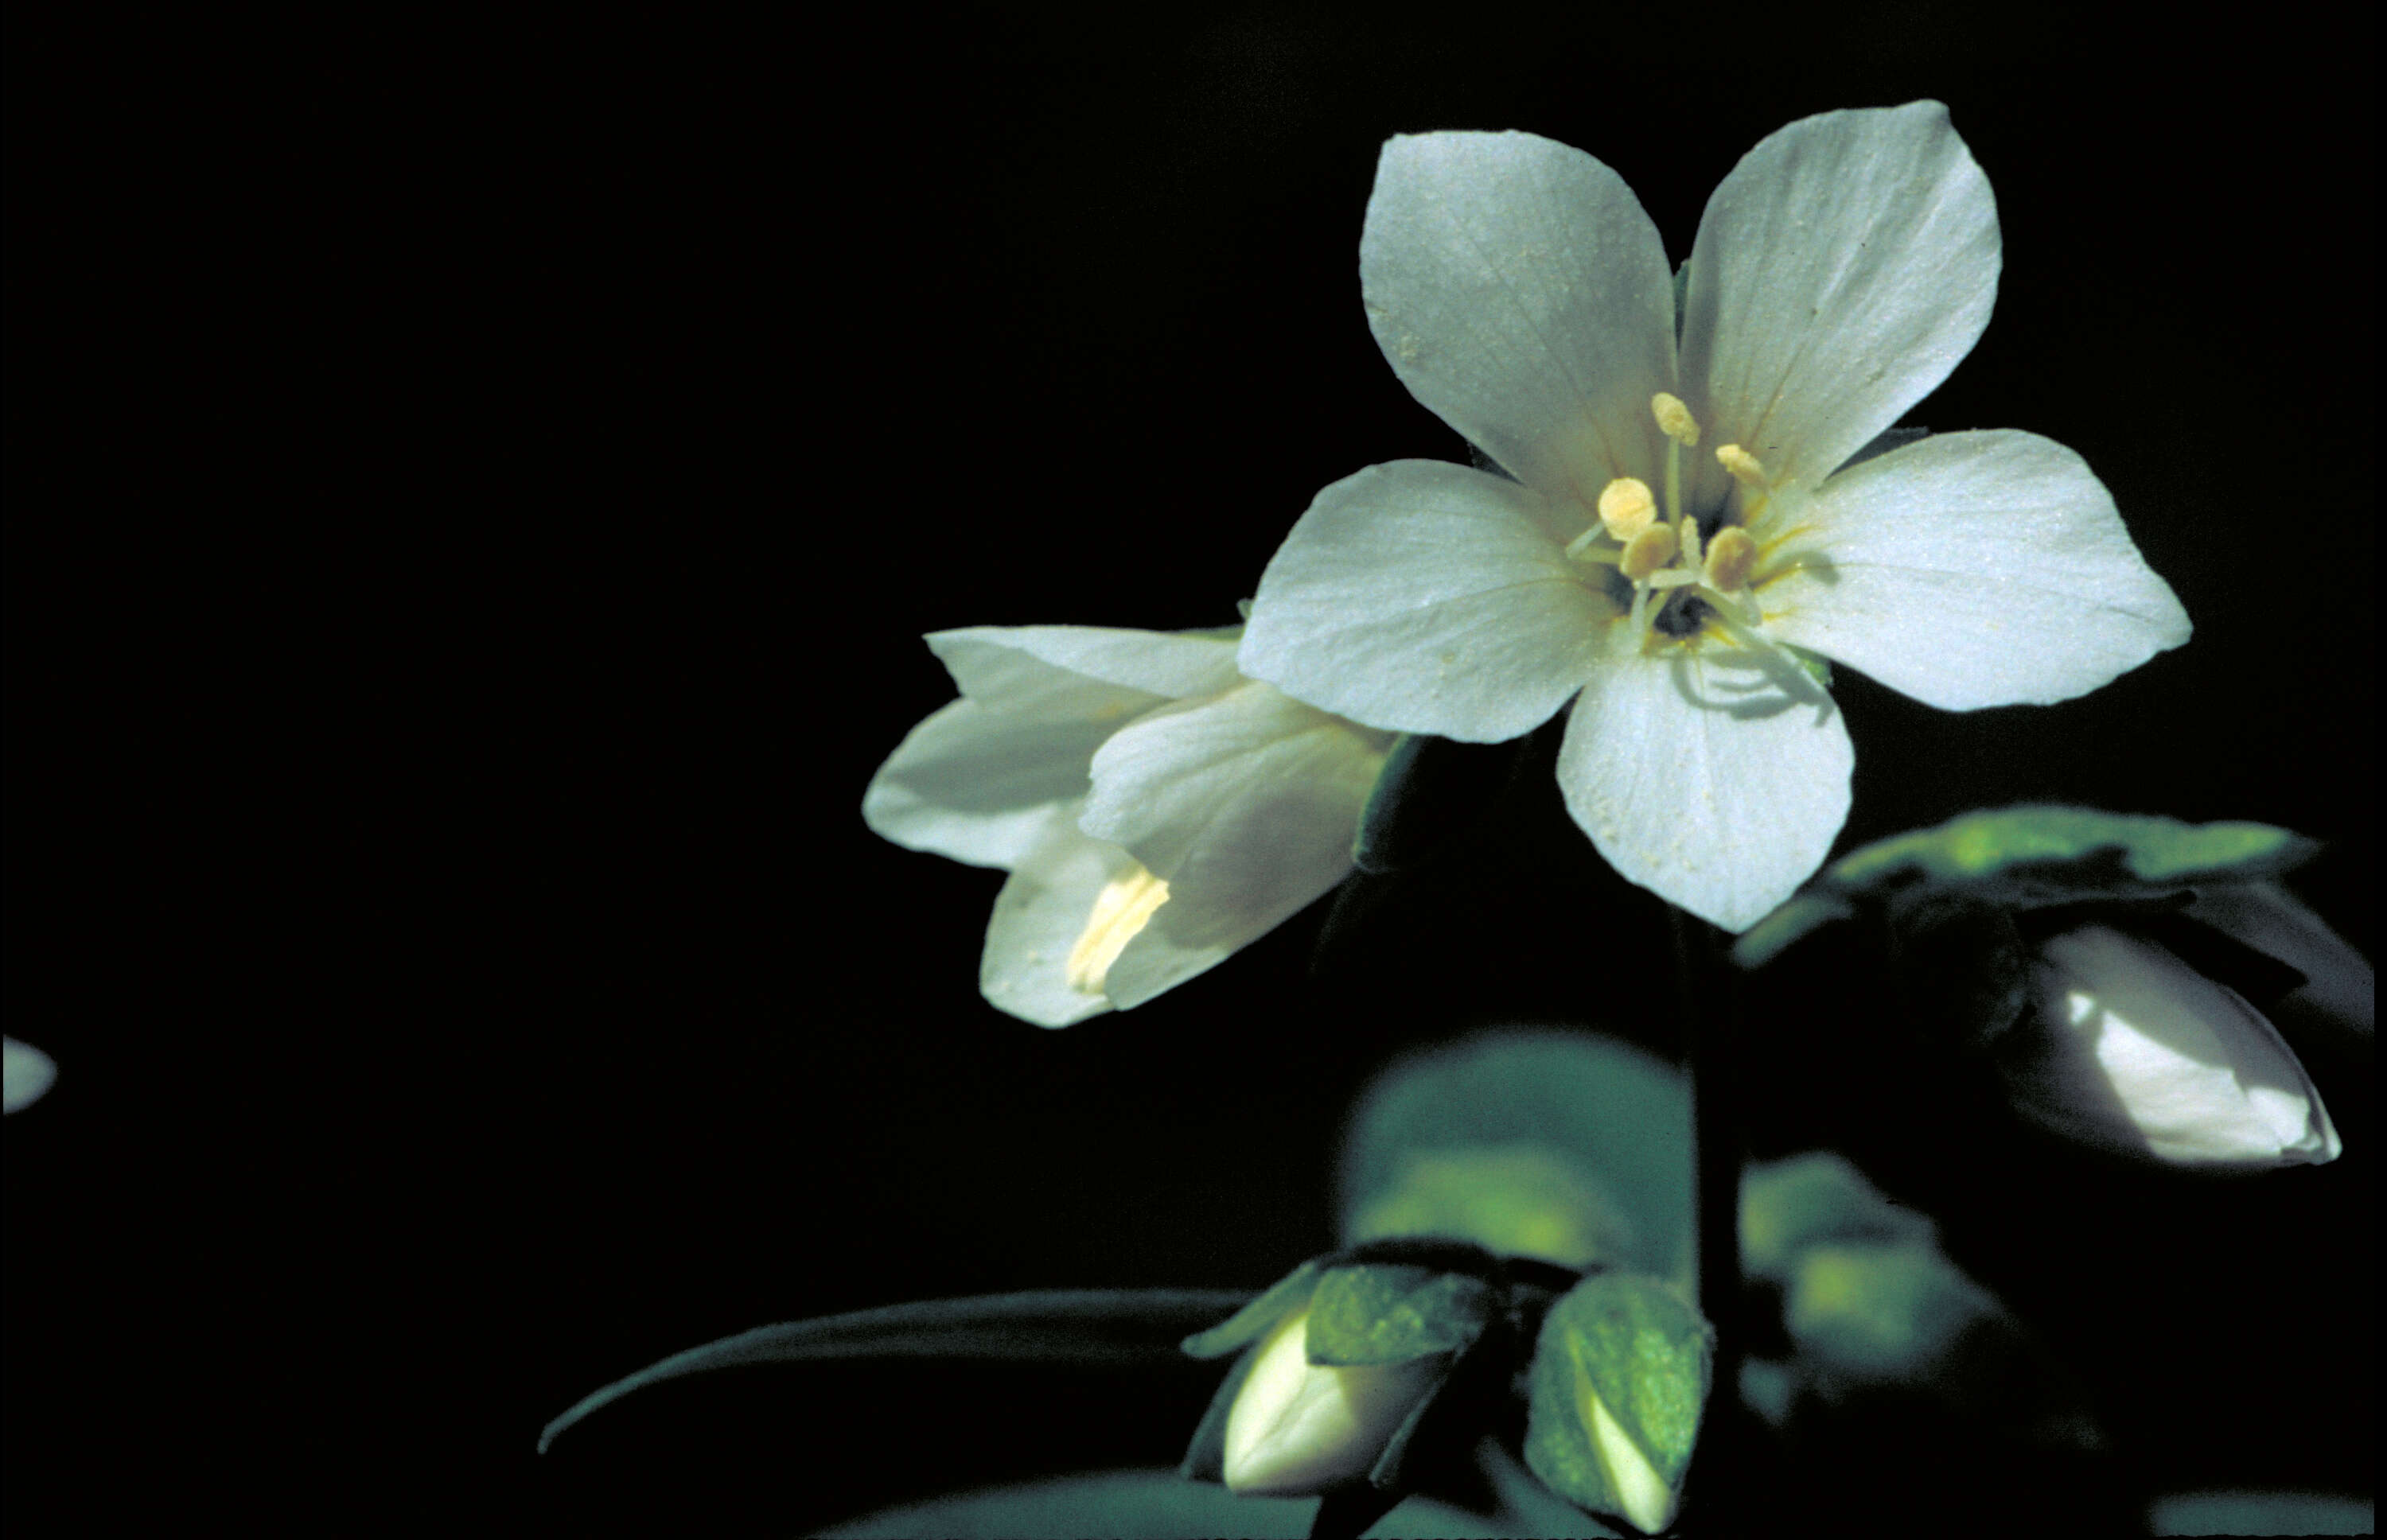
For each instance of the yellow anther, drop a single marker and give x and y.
(1626, 507)
(1742, 467)
(1674, 419)
(1648, 550)
(1731, 556)
(1120, 912)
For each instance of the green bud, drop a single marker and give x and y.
(1789, 1204)
(1513, 1200)
(1619, 1379)
(1876, 1312)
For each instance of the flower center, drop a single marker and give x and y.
(1682, 579)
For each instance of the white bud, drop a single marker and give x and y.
(1298, 1428)
(2140, 1052)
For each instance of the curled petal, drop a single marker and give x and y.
(1423, 597)
(1246, 805)
(1969, 570)
(980, 784)
(1841, 271)
(1520, 292)
(1716, 780)
(1056, 669)
(1041, 918)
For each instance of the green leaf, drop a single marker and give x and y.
(1620, 1380)
(2263, 1513)
(1248, 1324)
(1614, 1122)
(1874, 1312)
(1096, 1326)
(1513, 1200)
(1154, 1503)
(1387, 1313)
(2031, 856)
(1787, 1205)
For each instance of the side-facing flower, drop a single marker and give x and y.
(2137, 1052)
(1690, 516)
(1155, 809)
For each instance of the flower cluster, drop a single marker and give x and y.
(1699, 501)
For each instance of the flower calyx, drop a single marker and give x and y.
(1364, 1370)
(1620, 1381)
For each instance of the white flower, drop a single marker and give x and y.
(1675, 523)
(1155, 809)
(2137, 1052)
(1297, 1428)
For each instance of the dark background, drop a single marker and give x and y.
(473, 501)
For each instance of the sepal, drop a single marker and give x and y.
(2029, 857)
(1620, 1380)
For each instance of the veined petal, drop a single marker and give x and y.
(1519, 290)
(1714, 777)
(1841, 271)
(1047, 668)
(1166, 784)
(1041, 918)
(1426, 598)
(1246, 805)
(1971, 569)
(980, 784)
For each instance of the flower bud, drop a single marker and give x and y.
(2139, 1052)
(1298, 1428)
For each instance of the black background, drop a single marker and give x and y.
(472, 504)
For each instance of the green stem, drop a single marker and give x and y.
(1710, 1003)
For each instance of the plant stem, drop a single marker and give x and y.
(1709, 1000)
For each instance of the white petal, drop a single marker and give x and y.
(2338, 980)
(1025, 667)
(980, 784)
(1972, 569)
(1522, 295)
(1843, 269)
(1426, 598)
(1039, 918)
(1716, 778)
(1246, 805)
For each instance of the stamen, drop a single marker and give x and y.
(1689, 531)
(1120, 912)
(1743, 467)
(1648, 550)
(1626, 507)
(1730, 558)
(1749, 637)
(1674, 419)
